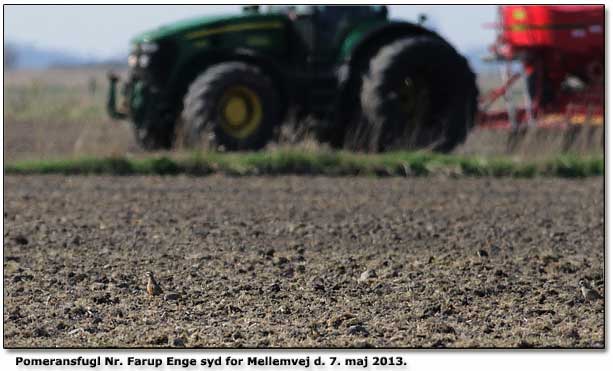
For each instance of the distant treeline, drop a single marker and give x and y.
(23, 56)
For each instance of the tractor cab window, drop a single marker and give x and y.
(322, 25)
(293, 11)
(339, 12)
(334, 18)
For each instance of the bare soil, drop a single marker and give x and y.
(302, 262)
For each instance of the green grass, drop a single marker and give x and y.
(280, 162)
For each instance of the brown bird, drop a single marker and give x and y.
(153, 288)
(588, 292)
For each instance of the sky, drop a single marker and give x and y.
(104, 31)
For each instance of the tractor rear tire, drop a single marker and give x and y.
(231, 106)
(419, 93)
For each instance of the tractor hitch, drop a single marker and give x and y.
(112, 97)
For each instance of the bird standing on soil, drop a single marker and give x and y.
(153, 288)
(588, 292)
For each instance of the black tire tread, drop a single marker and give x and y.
(200, 102)
(376, 101)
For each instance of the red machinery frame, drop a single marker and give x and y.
(552, 43)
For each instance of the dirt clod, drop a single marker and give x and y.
(21, 240)
(178, 343)
(171, 296)
(367, 275)
(357, 330)
(40, 332)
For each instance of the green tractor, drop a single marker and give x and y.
(373, 84)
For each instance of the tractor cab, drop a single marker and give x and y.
(323, 28)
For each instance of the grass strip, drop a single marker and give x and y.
(331, 163)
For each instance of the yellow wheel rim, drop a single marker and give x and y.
(240, 111)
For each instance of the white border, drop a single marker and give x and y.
(470, 360)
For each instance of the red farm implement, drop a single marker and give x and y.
(561, 53)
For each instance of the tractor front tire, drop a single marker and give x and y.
(151, 139)
(233, 106)
(419, 93)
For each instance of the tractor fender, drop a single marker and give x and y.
(363, 48)
(198, 63)
(357, 51)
